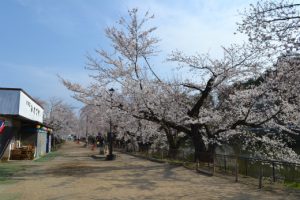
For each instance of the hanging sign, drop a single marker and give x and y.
(2, 125)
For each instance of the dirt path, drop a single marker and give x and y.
(75, 175)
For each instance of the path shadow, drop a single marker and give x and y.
(137, 176)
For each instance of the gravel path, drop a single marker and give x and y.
(74, 174)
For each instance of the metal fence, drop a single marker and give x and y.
(268, 170)
(264, 171)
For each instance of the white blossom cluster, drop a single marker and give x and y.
(223, 103)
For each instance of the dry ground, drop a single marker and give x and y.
(74, 174)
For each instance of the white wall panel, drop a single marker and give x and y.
(29, 109)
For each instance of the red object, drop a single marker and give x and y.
(2, 125)
(93, 148)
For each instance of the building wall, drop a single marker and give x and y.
(9, 102)
(41, 143)
(29, 109)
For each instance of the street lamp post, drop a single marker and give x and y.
(86, 131)
(110, 155)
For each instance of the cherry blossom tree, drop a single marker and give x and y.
(272, 26)
(61, 117)
(93, 120)
(211, 107)
(126, 69)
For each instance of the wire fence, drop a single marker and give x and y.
(262, 170)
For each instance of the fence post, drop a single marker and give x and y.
(214, 164)
(147, 153)
(236, 169)
(273, 171)
(246, 165)
(224, 157)
(260, 176)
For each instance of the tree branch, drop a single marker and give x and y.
(194, 112)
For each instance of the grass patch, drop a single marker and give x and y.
(7, 170)
(294, 185)
(6, 196)
(190, 165)
(175, 162)
(47, 157)
(5, 181)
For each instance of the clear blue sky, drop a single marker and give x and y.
(42, 38)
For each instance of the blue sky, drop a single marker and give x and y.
(40, 39)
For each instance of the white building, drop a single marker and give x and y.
(24, 132)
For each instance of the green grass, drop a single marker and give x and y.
(47, 157)
(7, 170)
(174, 162)
(294, 185)
(190, 165)
(5, 181)
(6, 196)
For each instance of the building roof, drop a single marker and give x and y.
(19, 89)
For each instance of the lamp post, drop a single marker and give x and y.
(110, 155)
(86, 131)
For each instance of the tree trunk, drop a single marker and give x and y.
(173, 152)
(199, 145)
(173, 146)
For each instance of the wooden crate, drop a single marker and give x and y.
(22, 154)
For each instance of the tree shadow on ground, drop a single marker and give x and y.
(72, 169)
(137, 176)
